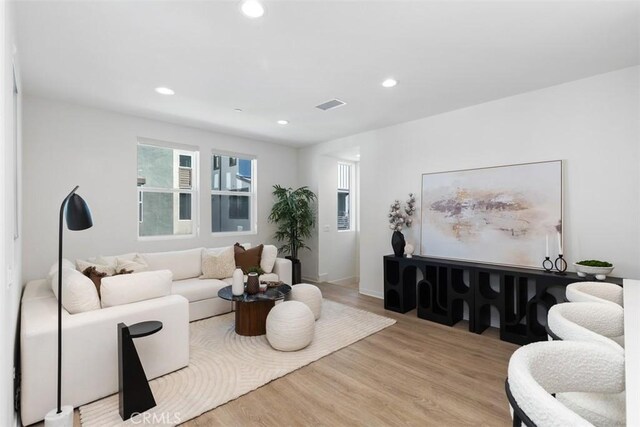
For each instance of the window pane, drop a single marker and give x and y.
(230, 213)
(155, 166)
(160, 215)
(185, 161)
(231, 174)
(343, 211)
(185, 206)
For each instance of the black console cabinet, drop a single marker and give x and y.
(443, 290)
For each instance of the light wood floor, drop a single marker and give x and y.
(413, 373)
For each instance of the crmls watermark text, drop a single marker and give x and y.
(152, 418)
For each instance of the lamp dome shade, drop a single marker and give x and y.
(78, 214)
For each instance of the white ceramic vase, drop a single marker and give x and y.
(408, 250)
(237, 286)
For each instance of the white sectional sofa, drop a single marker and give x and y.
(203, 294)
(90, 359)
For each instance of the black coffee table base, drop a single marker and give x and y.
(135, 394)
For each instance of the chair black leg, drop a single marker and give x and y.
(517, 422)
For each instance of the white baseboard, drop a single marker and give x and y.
(323, 277)
(370, 293)
(345, 281)
(310, 279)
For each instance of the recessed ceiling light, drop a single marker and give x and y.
(164, 91)
(358, 155)
(389, 83)
(238, 110)
(283, 122)
(252, 8)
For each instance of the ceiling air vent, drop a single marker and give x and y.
(330, 105)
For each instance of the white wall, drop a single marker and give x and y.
(66, 144)
(10, 248)
(334, 254)
(592, 124)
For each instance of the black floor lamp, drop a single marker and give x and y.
(78, 218)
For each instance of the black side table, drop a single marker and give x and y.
(135, 393)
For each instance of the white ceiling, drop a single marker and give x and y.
(446, 55)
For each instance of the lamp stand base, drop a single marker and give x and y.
(62, 419)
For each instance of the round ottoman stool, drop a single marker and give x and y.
(290, 326)
(308, 294)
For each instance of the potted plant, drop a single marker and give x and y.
(599, 269)
(293, 212)
(399, 217)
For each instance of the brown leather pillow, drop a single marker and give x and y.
(246, 259)
(95, 276)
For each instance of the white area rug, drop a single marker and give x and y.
(223, 366)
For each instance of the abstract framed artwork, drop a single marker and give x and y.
(507, 215)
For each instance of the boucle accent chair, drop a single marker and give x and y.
(600, 324)
(539, 369)
(595, 292)
(588, 321)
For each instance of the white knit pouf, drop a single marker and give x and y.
(290, 326)
(310, 295)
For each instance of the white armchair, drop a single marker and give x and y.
(595, 292)
(587, 321)
(540, 369)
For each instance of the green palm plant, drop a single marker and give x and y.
(294, 214)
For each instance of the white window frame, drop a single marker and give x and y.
(253, 198)
(179, 149)
(352, 215)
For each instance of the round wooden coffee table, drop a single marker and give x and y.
(252, 310)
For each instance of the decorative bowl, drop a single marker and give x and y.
(599, 272)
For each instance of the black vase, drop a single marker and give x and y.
(397, 243)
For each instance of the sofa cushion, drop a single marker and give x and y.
(107, 269)
(218, 264)
(136, 265)
(79, 294)
(65, 264)
(183, 264)
(128, 288)
(112, 260)
(197, 289)
(247, 258)
(268, 259)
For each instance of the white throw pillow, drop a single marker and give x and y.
(65, 264)
(82, 265)
(112, 260)
(218, 263)
(137, 264)
(183, 264)
(128, 288)
(79, 294)
(268, 260)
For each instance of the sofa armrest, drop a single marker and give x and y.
(282, 268)
(90, 350)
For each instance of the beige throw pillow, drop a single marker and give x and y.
(82, 265)
(218, 264)
(136, 265)
(79, 294)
